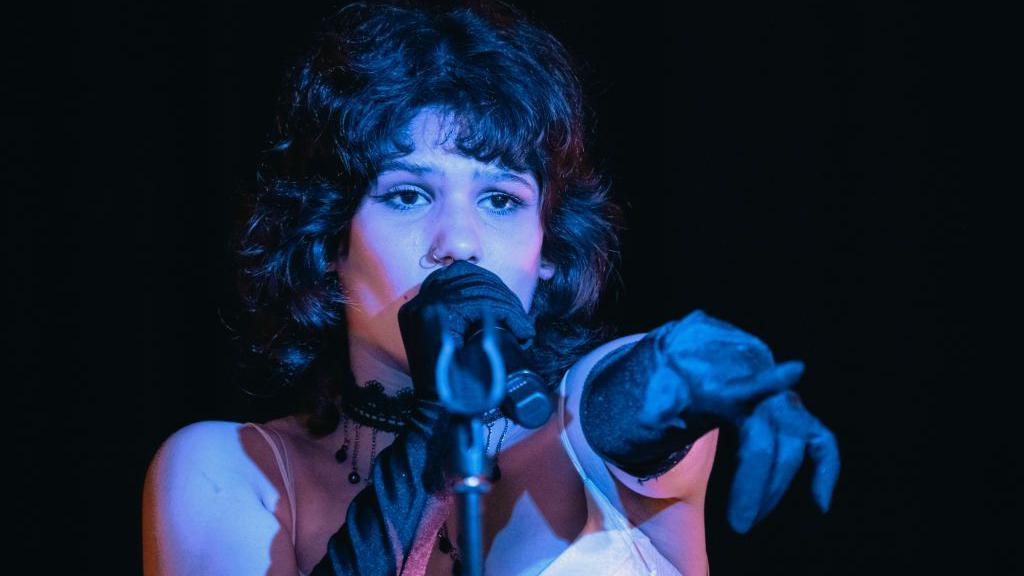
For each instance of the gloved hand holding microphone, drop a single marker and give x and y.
(455, 298)
(409, 474)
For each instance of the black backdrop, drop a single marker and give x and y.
(792, 169)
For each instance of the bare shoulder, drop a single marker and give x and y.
(199, 440)
(210, 452)
(205, 504)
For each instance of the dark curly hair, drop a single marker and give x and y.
(372, 67)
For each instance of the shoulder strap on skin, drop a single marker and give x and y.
(283, 466)
(615, 522)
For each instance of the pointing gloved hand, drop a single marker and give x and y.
(690, 376)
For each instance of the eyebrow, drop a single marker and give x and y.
(496, 175)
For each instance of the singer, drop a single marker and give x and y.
(436, 159)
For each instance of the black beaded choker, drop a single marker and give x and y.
(370, 406)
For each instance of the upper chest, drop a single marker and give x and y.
(534, 511)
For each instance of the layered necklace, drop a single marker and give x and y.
(370, 407)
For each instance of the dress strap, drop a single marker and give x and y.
(283, 466)
(615, 522)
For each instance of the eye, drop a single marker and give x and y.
(405, 198)
(402, 199)
(502, 203)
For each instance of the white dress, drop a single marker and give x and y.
(609, 544)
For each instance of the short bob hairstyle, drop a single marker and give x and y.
(515, 99)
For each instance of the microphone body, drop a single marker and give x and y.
(527, 401)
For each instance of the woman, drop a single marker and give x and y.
(436, 159)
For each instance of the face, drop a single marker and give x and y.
(435, 200)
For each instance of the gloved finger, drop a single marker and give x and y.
(465, 308)
(824, 453)
(465, 278)
(469, 289)
(438, 319)
(789, 454)
(508, 315)
(513, 317)
(459, 270)
(765, 382)
(756, 455)
(788, 414)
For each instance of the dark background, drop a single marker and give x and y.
(794, 169)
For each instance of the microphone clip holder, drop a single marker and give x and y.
(467, 398)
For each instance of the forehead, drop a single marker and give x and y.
(433, 137)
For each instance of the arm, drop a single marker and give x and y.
(203, 513)
(685, 481)
(645, 405)
(669, 509)
(406, 498)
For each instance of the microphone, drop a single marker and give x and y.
(527, 401)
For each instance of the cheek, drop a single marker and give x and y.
(375, 258)
(522, 258)
(530, 248)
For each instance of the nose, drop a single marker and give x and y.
(457, 235)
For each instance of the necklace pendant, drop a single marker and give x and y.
(354, 478)
(495, 472)
(444, 544)
(342, 454)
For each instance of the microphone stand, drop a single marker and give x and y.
(475, 397)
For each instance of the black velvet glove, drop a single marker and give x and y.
(644, 404)
(382, 520)
(460, 293)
